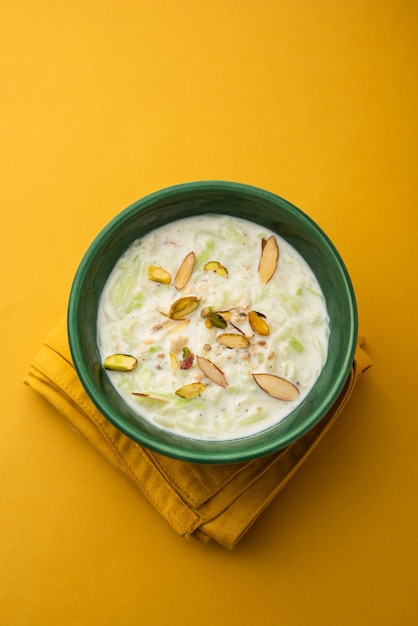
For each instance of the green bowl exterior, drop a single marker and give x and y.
(191, 199)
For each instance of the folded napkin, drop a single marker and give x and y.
(217, 502)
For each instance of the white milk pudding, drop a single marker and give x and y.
(212, 327)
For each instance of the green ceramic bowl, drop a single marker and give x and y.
(192, 199)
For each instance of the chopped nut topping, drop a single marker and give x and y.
(217, 320)
(232, 340)
(225, 314)
(258, 324)
(182, 307)
(159, 275)
(268, 260)
(186, 363)
(188, 358)
(277, 387)
(150, 396)
(191, 390)
(212, 371)
(174, 361)
(215, 266)
(238, 329)
(120, 362)
(185, 271)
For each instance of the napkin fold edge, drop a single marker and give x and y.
(225, 515)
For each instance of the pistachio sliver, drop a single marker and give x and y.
(158, 275)
(226, 315)
(191, 390)
(120, 362)
(277, 387)
(208, 323)
(188, 358)
(182, 307)
(174, 361)
(268, 260)
(238, 329)
(212, 371)
(178, 326)
(216, 320)
(258, 323)
(185, 271)
(150, 396)
(215, 266)
(233, 340)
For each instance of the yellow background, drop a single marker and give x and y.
(104, 101)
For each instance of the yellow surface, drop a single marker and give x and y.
(102, 102)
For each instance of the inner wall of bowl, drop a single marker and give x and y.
(186, 201)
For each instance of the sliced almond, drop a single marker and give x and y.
(150, 396)
(276, 387)
(258, 324)
(215, 266)
(233, 340)
(159, 275)
(120, 362)
(191, 390)
(185, 271)
(182, 307)
(268, 260)
(212, 371)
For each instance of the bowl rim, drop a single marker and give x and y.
(205, 451)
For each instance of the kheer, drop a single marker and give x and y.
(223, 324)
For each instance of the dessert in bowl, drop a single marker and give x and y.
(212, 322)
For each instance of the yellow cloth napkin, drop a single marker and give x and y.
(217, 502)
